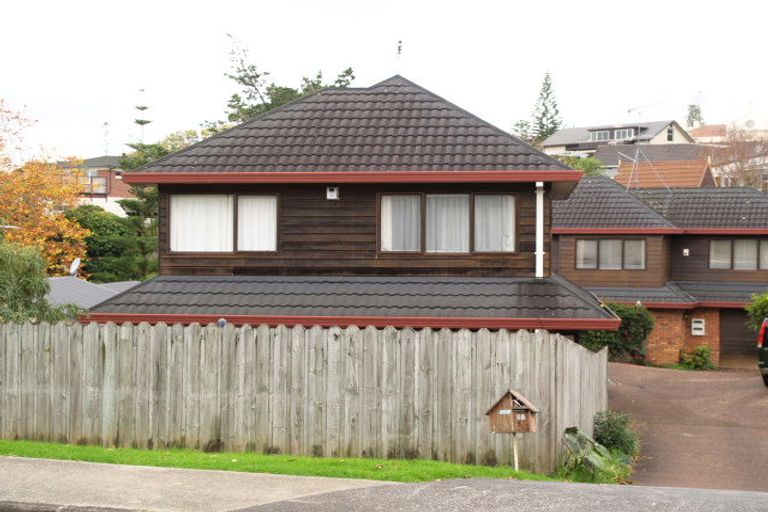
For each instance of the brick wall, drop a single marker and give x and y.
(673, 334)
(712, 331)
(667, 338)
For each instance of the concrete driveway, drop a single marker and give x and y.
(698, 429)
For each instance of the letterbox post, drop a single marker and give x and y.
(512, 414)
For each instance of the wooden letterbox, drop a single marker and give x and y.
(512, 414)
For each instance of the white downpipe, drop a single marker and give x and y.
(539, 230)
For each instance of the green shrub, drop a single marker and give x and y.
(758, 310)
(699, 358)
(613, 430)
(585, 460)
(626, 344)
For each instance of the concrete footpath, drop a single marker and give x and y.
(47, 482)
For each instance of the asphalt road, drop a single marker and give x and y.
(698, 429)
(519, 496)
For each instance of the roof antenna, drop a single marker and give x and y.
(106, 137)
(399, 53)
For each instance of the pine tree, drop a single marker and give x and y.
(694, 116)
(546, 115)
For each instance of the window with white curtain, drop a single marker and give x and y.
(202, 223)
(763, 254)
(720, 254)
(745, 254)
(401, 223)
(447, 223)
(586, 254)
(494, 223)
(634, 254)
(610, 254)
(256, 223)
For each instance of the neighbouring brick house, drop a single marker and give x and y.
(379, 206)
(102, 181)
(693, 256)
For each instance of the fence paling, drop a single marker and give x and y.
(314, 391)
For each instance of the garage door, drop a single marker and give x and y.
(737, 341)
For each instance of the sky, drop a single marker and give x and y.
(74, 66)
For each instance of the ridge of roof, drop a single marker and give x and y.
(342, 133)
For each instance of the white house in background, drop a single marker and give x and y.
(584, 141)
(103, 184)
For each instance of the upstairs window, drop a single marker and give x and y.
(624, 133)
(670, 134)
(601, 135)
(494, 223)
(206, 223)
(256, 223)
(610, 254)
(586, 254)
(401, 223)
(746, 254)
(202, 223)
(447, 223)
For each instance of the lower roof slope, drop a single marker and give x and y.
(600, 202)
(686, 294)
(709, 207)
(379, 301)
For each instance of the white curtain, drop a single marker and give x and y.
(745, 254)
(400, 223)
(764, 255)
(720, 254)
(634, 254)
(448, 223)
(494, 223)
(586, 254)
(257, 223)
(201, 223)
(610, 254)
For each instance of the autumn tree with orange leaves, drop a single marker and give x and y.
(33, 200)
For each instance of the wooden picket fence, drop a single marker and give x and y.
(316, 391)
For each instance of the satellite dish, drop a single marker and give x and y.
(74, 267)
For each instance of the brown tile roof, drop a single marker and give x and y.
(680, 174)
(394, 125)
(709, 130)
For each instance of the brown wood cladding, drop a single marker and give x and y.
(695, 267)
(654, 275)
(317, 236)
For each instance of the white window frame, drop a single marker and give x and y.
(624, 133)
(600, 135)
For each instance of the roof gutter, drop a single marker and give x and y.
(562, 324)
(660, 231)
(476, 176)
(721, 304)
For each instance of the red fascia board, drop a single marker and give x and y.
(478, 176)
(567, 324)
(689, 305)
(726, 231)
(616, 231)
(660, 231)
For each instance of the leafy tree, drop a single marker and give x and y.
(590, 166)
(546, 115)
(258, 95)
(522, 129)
(757, 311)
(694, 116)
(113, 245)
(34, 198)
(24, 285)
(626, 344)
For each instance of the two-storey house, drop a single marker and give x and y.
(693, 256)
(382, 206)
(102, 182)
